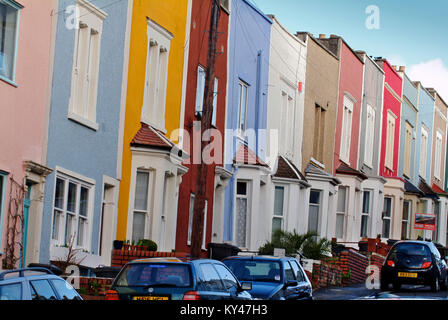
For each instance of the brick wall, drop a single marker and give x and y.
(129, 253)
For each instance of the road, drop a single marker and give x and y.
(361, 292)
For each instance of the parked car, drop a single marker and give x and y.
(172, 279)
(272, 278)
(414, 262)
(35, 284)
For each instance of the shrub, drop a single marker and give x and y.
(151, 245)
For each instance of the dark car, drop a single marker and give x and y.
(172, 279)
(272, 278)
(35, 284)
(414, 262)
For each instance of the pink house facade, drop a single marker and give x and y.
(344, 219)
(394, 187)
(25, 82)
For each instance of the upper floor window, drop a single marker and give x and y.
(390, 140)
(319, 133)
(200, 90)
(370, 134)
(9, 26)
(423, 152)
(242, 106)
(407, 149)
(438, 155)
(86, 61)
(287, 122)
(159, 42)
(347, 117)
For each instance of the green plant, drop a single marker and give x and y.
(151, 245)
(295, 243)
(94, 286)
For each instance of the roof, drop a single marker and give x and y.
(423, 186)
(410, 188)
(312, 169)
(345, 169)
(287, 169)
(245, 155)
(148, 136)
(438, 190)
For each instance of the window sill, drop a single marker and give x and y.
(83, 121)
(8, 81)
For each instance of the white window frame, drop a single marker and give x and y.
(18, 7)
(423, 152)
(385, 218)
(156, 79)
(276, 216)
(438, 155)
(370, 136)
(149, 200)
(190, 221)
(215, 101)
(342, 214)
(61, 236)
(408, 221)
(242, 106)
(390, 140)
(318, 205)
(407, 149)
(248, 203)
(200, 88)
(347, 119)
(86, 62)
(366, 214)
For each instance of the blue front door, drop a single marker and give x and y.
(26, 213)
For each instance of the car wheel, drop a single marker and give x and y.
(435, 286)
(444, 284)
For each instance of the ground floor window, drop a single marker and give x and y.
(405, 220)
(277, 220)
(71, 211)
(190, 221)
(365, 214)
(341, 212)
(242, 206)
(387, 217)
(437, 213)
(141, 206)
(314, 210)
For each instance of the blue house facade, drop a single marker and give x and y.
(245, 151)
(84, 129)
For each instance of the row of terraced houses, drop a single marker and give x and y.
(313, 134)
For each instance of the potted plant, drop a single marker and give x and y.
(147, 244)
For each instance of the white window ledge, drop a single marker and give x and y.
(83, 121)
(9, 81)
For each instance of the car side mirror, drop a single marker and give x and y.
(291, 283)
(246, 286)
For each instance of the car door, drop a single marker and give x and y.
(303, 290)
(439, 261)
(12, 290)
(289, 291)
(210, 284)
(231, 284)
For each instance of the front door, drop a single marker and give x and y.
(26, 214)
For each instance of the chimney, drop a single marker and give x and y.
(322, 36)
(402, 68)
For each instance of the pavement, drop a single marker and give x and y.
(359, 291)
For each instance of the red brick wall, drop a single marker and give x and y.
(129, 253)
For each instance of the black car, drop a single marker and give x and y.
(172, 279)
(414, 262)
(272, 278)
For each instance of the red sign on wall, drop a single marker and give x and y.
(425, 221)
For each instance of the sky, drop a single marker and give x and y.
(411, 33)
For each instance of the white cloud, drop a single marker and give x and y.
(396, 60)
(432, 74)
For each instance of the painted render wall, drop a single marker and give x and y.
(249, 49)
(23, 106)
(71, 145)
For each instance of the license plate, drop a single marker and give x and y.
(407, 275)
(146, 298)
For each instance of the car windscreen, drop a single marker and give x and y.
(155, 274)
(255, 270)
(410, 254)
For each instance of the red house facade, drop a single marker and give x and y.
(390, 140)
(197, 66)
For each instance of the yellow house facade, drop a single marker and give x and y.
(151, 174)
